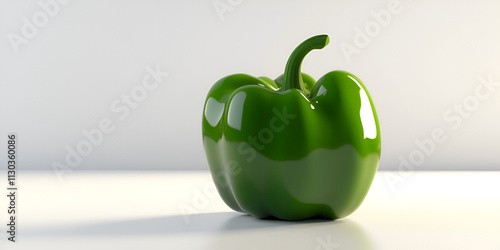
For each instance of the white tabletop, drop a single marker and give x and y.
(179, 210)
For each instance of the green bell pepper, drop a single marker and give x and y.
(292, 148)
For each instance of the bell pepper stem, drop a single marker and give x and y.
(293, 76)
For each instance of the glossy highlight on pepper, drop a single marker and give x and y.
(292, 148)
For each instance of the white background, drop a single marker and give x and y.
(65, 77)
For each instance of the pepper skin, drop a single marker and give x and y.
(292, 148)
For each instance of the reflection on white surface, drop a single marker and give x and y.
(223, 228)
(366, 113)
(140, 210)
